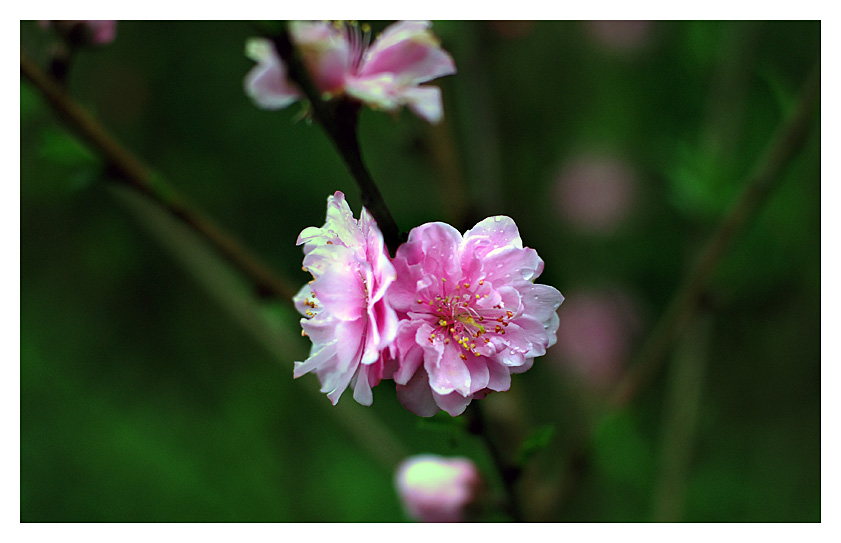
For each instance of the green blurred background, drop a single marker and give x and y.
(154, 387)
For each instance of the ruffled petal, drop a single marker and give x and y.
(266, 83)
(416, 396)
(410, 51)
(453, 403)
(447, 371)
(425, 102)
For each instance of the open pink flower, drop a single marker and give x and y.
(437, 489)
(386, 75)
(346, 315)
(471, 314)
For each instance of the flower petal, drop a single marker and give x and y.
(453, 403)
(425, 102)
(266, 83)
(416, 396)
(410, 51)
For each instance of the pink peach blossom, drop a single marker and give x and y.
(437, 489)
(346, 315)
(471, 314)
(385, 75)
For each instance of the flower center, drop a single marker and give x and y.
(462, 322)
(358, 39)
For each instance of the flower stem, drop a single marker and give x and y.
(508, 473)
(339, 119)
(126, 168)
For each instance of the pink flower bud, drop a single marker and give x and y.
(437, 489)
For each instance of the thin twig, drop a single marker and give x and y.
(128, 169)
(339, 120)
(784, 144)
(509, 474)
(764, 177)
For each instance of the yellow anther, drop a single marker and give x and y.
(463, 356)
(442, 322)
(467, 285)
(476, 353)
(304, 334)
(481, 282)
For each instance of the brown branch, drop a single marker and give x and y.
(339, 120)
(128, 169)
(763, 179)
(766, 174)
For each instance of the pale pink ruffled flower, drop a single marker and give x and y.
(346, 315)
(92, 32)
(385, 75)
(437, 489)
(471, 314)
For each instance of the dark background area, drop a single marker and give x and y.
(149, 394)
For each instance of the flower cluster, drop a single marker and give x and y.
(449, 319)
(384, 75)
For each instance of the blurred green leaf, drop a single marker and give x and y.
(30, 102)
(621, 451)
(539, 438)
(60, 147)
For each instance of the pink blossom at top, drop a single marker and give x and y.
(94, 32)
(385, 75)
(471, 314)
(437, 489)
(346, 315)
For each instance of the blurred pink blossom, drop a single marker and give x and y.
(595, 334)
(346, 315)
(437, 489)
(385, 75)
(92, 32)
(620, 36)
(470, 312)
(595, 193)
